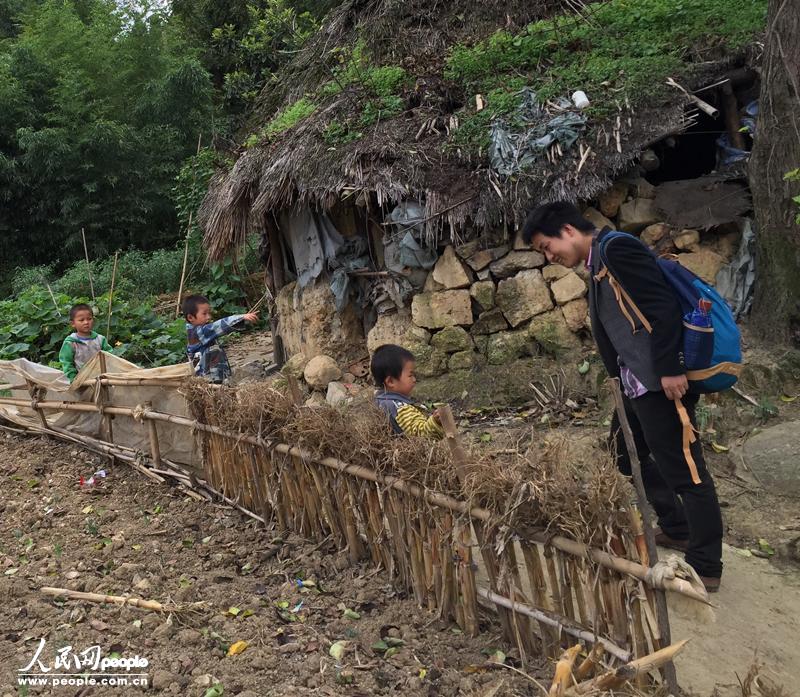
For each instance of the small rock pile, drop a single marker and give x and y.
(325, 379)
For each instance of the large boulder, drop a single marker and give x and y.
(446, 308)
(337, 393)
(597, 219)
(505, 347)
(396, 328)
(686, 240)
(641, 188)
(523, 296)
(610, 200)
(637, 214)
(704, 263)
(576, 314)
(483, 294)
(570, 287)
(514, 262)
(452, 339)
(320, 371)
(551, 332)
(449, 271)
(489, 323)
(772, 456)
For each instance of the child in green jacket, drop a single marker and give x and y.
(82, 345)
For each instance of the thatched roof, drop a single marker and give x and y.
(416, 154)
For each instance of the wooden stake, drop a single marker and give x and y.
(670, 676)
(563, 672)
(152, 431)
(88, 265)
(111, 295)
(590, 663)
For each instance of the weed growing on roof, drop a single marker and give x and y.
(627, 48)
(283, 121)
(355, 69)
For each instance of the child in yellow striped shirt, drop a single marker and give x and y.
(392, 368)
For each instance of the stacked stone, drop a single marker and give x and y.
(487, 306)
(629, 205)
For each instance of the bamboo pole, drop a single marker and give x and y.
(111, 295)
(152, 432)
(88, 265)
(108, 599)
(188, 234)
(662, 612)
(555, 621)
(590, 663)
(614, 679)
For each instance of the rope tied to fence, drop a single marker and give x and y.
(140, 412)
(671, 568)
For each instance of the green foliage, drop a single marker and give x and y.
(628, 49)
(244, 43)
(191, 185)
(98, 107)
(357, 69)
(382, 108)
(340, 133)
(283, 121)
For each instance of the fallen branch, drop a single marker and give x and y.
(153, 605)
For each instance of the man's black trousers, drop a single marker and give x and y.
(658, 433)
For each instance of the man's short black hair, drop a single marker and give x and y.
(551, 217)
(75, 309)
(191, 303)
(388, 362)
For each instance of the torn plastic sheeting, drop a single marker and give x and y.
(736, 280)
(313, 238)
(351, 257)
(408, 218)
(511, 152)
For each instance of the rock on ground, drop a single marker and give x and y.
(774, 455)
(636, 214)
(446, 308)
(704, 263)
(321, 370)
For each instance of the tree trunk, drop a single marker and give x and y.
(776, 151)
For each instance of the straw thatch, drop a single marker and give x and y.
(399, 158)
(535, 489)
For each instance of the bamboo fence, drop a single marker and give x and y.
(547, 590)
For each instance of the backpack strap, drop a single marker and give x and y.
(727, 367)
(623, 300)
(689, 437)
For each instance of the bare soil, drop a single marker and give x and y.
(134, 537)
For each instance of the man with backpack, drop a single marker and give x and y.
(638, 325)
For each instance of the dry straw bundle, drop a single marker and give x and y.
(540, 488)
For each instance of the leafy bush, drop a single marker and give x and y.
(283, 121)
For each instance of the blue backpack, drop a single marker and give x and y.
(721, 364)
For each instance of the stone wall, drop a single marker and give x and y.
(487, 306)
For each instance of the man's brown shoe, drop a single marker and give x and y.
(664, 540)
(711, 583)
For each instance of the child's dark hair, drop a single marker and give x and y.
(551, 217)
(191, 303)
(388, 361)
(75, 309)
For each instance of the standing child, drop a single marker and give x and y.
(82, 345)
(205, 354)
(392, 368)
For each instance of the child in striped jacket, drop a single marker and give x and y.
(392, 368)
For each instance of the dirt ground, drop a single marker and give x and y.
(288, 599)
